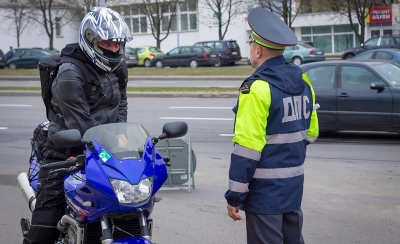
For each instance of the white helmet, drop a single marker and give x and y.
(103, 24)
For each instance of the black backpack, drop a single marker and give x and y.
(48, 69)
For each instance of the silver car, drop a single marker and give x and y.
(131, 57)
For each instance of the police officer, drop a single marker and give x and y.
(275, 121)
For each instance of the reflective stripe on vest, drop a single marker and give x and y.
(246, 152)
(279, 173)
(238, 186)
(287, 138)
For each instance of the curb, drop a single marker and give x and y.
(139, 94)
(29, 78)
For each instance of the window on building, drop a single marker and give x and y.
(58, 26)
(332, 39)
(188, 15)
(306, 7)
(136, 21)
(343, 42)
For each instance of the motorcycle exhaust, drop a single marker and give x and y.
(26, 190)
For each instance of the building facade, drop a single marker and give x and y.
(329, 31)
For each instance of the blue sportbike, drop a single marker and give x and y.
(109, 190)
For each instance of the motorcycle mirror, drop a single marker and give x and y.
(67, 138)
(174, 129)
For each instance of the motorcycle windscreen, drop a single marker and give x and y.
(108, 135)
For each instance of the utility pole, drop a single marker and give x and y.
(178, 20)
(102, 3)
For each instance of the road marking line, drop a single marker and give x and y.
(226, 134)
(200, 107)
(180, 118)
(159, 82)
(15, 105)
(3, 128)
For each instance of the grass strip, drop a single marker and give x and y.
(242, 70)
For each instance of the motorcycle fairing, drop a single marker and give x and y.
(96, 189)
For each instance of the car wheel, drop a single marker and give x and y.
(297, 60)
(159, 64)
(147, 63)
(348, 56)
(218, 64)
(12, 66)
(193, 64)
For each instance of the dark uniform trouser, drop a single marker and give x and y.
(275, 229)
(49, 208)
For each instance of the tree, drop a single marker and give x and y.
(18, 12)
(224, 11)
(49, 13)
(161, 15)
(357, 10)
(286, 9)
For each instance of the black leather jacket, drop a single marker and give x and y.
(107, 103)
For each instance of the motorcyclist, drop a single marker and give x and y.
(102, 37)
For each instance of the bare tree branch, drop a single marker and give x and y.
(225, 11)
(18, 12)
(50, 12)
(286, 9)
(356, 10)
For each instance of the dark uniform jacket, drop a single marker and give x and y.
(275, 121)
(107, 103)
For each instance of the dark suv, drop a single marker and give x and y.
(228, 50)
(373, 43)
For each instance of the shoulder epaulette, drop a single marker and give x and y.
(245, 88)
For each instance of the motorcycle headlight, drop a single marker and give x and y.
(132, 194)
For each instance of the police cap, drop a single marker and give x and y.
(269, 30)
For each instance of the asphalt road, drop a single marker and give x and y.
(351, 192)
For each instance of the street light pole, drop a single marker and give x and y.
(178, 20)
(102, 3)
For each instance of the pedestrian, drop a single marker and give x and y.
(10, 53)
(102, 37)
(275, 120)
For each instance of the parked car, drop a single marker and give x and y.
(303, 53)
(146, 54)
(356, 95)
(377, 42)
(131, 57)
(192, 56)
(16, 52)
(47, 49)
(392, 54)
(52, 51)
(2, 60)
(28, 60)
(228, 50)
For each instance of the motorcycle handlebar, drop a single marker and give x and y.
(62, 164)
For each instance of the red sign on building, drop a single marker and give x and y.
(380, 14)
